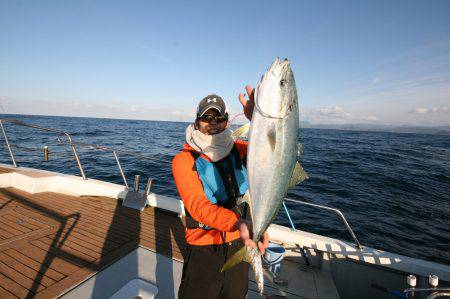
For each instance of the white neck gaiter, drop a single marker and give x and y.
(216, 146)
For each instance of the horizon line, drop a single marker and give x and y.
(343, 126)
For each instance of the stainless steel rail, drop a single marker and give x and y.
(7, 144)
(121, 151)
(69, 141)
(120, 169)
(57, 132)
(338, 212)
(436, 292)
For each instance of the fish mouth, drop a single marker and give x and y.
(277, 73)
(279, 67)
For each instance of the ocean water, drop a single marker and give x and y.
(393, 188)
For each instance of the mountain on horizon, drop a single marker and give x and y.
(381, 128)
(418, 129)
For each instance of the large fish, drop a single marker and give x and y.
(273, 150)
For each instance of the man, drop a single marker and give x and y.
(210, 175)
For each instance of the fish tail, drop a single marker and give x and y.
(251, 256)
(238, 257)
(241, 132)
(258, 273)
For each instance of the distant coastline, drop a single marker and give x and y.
(441, 130)
(419, 129)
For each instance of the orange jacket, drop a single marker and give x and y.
(197, 204)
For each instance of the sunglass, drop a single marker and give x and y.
(209, 118)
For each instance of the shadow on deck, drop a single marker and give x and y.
(50, 242)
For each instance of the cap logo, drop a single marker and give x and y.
(214, 100)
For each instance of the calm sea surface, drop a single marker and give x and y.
(393, 188)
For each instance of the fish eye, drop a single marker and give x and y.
(291, 106)
(282, 82)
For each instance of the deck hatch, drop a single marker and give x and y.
(17, 229)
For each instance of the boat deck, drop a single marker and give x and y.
(50, 242)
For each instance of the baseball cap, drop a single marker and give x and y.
(211, 101)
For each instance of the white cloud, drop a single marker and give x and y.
(134, 108)
(394, 89)
(423, 110)
(114, 106)
(440, 109)
(369, 118)
(82, 105)
(108, 110)
(419, 110)
(335, 115)
(331, 111)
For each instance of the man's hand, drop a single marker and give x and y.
(244, 230)
(249, 104)
(263, 243)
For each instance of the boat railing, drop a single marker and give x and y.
(434, 292)
(68, 139)
(57, 132)
(74, 144)
(337, 211)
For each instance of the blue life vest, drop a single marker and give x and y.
(223, 182)
(216, 190)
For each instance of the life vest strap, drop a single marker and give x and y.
(231, 188)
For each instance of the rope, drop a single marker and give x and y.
(90, 147)
(53, 153)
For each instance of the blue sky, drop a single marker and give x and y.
(385, 62)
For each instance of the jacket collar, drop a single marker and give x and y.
(189, 148)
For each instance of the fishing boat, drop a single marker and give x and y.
(69, 236)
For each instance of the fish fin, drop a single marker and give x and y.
(244, 198)
(272, 137)
(238, 257)
(247, 199)
(298, 175)
(241, 132)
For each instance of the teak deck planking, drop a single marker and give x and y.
(50, 242)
